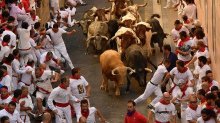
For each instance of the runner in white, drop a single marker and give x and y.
(153, 84)
(62, 97)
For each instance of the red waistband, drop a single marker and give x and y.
(62, 104)
(161, 122)
(25, 49)
(47, 92)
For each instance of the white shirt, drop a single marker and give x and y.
(190, 11)
(56, 37)
(201, 70)
(204, 40)
(13, 118)
(177, 75)
(44, 81)
(43, 58)
(177, 93)
(24, 38)
(175, 33)
(60, 95)
(159, 74)
(9, 69)
(181, 57)
(5, 101)
(6, 81)
(78, 87)
(91, 117)
(12, 36)
(164, 112)
(16, 70)
(192, 114)
(28, 103)
(198, 54)
(25, 77)
(200, 120)
(4, 51)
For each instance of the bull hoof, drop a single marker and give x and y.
(102, 87)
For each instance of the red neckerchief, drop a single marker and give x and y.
(184, 90)
(33, 17)
(4, 43)
(178, 29)
(55, 60)
(164, 102)
(218, 111)
(7, 63)
(5, 96)
(208, 106)
(202, 49)
(193, 108)
(6, 108)
(24, 96)
(85, 113)
(187, 22)
(14, 100)
(210, 85)
(47, 59)
(5, 74)
(183, 41)
(203, 101)
(75, 77)
(183, 70)
(62, 86)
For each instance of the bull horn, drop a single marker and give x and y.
(89, 20)
(131, 70)
(106, 38)
(90, 38)
(77, 22)
(154, 33)
(148, 70)
(113, 71)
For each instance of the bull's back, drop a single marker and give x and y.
(98, 27)
(110, 59)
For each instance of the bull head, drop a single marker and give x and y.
(97, 41)
(115, 71)
(84, 25)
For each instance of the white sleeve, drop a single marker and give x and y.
(53, 94)
(19, 118)
(31, 103)
(84, 81)
(174, 110)
(7, 52)
(173, 71)
(62, 30)
(17, 69)
(190, 75)
(196, 71)
(188, 115)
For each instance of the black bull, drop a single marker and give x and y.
(160, 35)
(135, 59)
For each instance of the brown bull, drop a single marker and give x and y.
(113, 69)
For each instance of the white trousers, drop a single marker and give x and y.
(150, 88)
(24, 117)
(25, 56)
(63, 111)
(60, 50)
(14, 83)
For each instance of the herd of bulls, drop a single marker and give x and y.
(124, 40)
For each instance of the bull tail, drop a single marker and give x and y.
(155, 15)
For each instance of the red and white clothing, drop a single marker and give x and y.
(6, 99)
(9, 68)
(199, 53)
(12, 42)
(52, 62)
(13, 117)
(78, 89)
(6, 81)
(91, 116)
(193, 114)
(59, 45)
(201, 71)
(175, 33)
(204, 40)
(61, 96)
(185, 46)
(28, 103)
(185, 75)
(163, 112)
(43, 84)
(190, 11)
(200, 120)
(4, 51)
(135, 118)
(17, 13)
